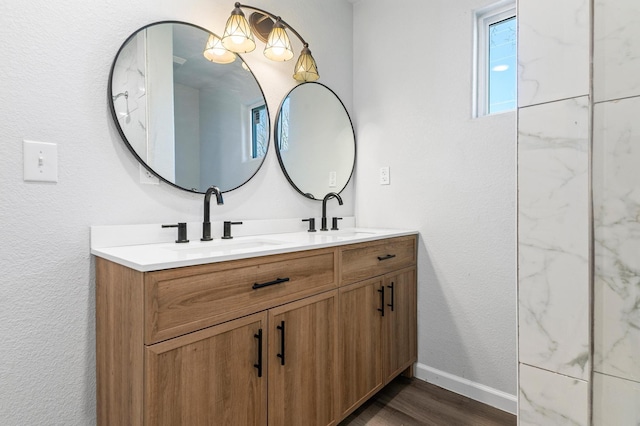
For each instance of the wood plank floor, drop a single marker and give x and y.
(415, 402)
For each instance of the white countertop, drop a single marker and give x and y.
(165, 255)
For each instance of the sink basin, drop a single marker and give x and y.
(217, 247)
(347, 234)
(352, 234)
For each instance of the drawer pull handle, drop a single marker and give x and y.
(381, 291)
(388, 256)
(259, 364)
(392, 295)
(281, 354)
(274, 282)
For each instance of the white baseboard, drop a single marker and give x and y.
(498, 399)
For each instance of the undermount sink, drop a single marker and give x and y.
(339, 235)
(354, 233)
(208, 248)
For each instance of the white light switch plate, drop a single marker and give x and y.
(40, 161)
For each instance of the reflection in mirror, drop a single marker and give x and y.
(315, 141)
(192, 122)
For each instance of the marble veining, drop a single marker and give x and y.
(553, 235)
(616, 55)
(548, 398)
(615, 401)
(129, 77)
(553, 50)
(616, 187)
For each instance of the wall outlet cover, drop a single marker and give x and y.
(385, 178)
(148, 178)
(332, 179)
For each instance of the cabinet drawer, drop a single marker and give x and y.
(362, 261)
(182, 300)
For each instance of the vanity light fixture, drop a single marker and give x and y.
(278, 46)
(238, 37)
(215, 51)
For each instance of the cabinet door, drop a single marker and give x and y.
(399, 329)
(302, 355)
(210, 377)
(360, 322)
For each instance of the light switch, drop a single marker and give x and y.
(40, 161)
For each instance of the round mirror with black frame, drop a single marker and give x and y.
(190, 121)
(315, 141)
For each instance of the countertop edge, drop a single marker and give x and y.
(287, 247)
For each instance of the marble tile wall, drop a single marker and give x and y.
(553, 235)
(616, 197)
(617, 401)
(616, 55)
(554, 321)
(129, 77)
(547, 398)
(553, 50)
(554, 342)
(616, 207)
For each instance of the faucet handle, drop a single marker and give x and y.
(182, 231)
(227, 229)
(334, 223)
(312, 224)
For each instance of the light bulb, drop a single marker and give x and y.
(278, 46)
(237, 39)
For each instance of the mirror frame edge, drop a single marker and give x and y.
(276, 140)
(112, 108)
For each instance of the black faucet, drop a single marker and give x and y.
(227, 229)
(182, 231)
(324, 208)
(312, 224)
(206, 224)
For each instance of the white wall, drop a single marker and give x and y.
(452, 177)
(53, 87)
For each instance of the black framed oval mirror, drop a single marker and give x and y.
(190, 121)
(315, 141)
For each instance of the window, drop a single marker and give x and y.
(259, 134)
(495, 59)
(283, 126)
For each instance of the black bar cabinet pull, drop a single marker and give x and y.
(274, 282)
(388, 256)
(259, 364)
(392, 295)
(381, 291)
(281, 354)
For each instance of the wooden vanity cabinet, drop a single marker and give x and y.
(216, 373)
(377, 318)
(360, 340)
(302, 356)
(201, 345)
(399, 333)
(229, 374)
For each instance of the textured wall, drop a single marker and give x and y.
(53, 86)
(452, 178)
